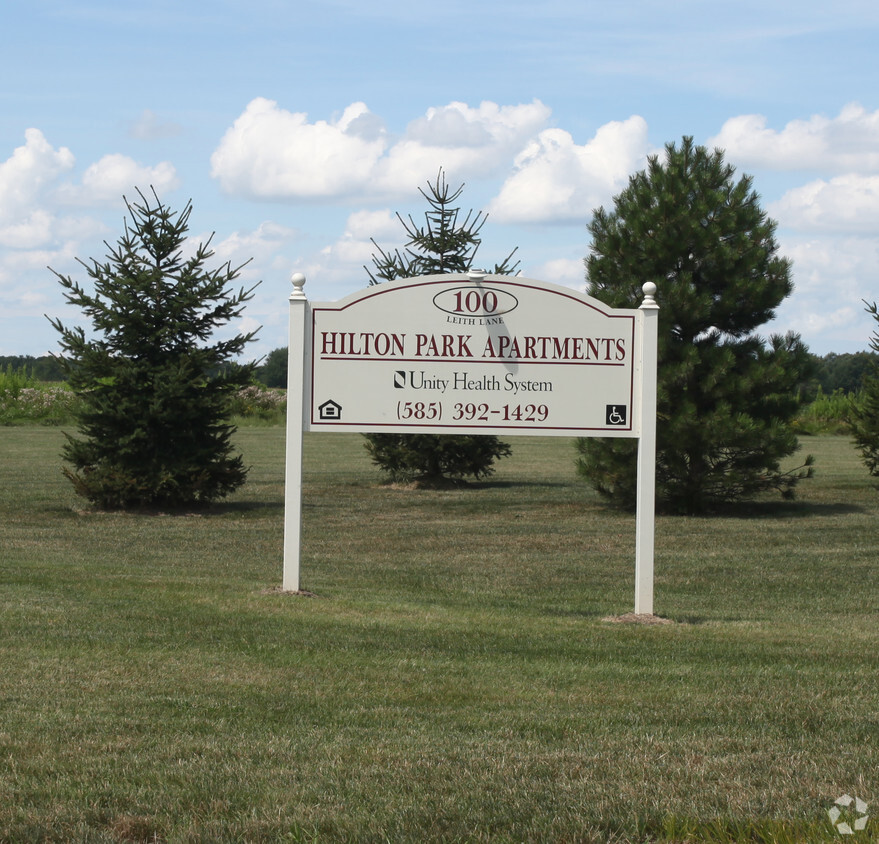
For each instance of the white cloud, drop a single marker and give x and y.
(78, 228)
(558, 180)
(568, 272)
(33, 185)
(246, 324)
(259, 243)
(464, 141)
(348, 252)
(16, 264)
(380, 225)
(28, 173)
(847, 203)
(29, 184)
(29, 232)
(832, 276)
(115, 176)
(264, 248)
(847, 142)
(271, 153)
(37, 231)
(346, 257)
(834, 268)
(27, 287)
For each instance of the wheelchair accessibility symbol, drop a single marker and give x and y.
(615, 414)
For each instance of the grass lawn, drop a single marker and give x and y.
(454, 679)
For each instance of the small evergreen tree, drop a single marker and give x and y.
(444, 244)
(725, 398)
(864, 415)
(155, 391)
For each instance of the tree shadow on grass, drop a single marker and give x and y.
(516, 484)
(221, 508)
(788, 509)
(457, 485)
(243, 507)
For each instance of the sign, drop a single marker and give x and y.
(472, 354)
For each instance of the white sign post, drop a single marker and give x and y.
(473, 354)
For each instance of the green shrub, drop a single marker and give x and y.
(13, 380)
(54, 404)
(43, 405)
(826, 414)
(256, 402)
(865, 411)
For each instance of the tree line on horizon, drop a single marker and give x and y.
(844, 372)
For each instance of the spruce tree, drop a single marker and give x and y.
(726, 397)
(155, 389)
(446, 243)
(864, 416)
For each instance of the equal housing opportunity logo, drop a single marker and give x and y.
(848, 815)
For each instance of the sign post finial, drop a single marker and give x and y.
(298, 281)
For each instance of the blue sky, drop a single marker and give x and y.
(299, 128)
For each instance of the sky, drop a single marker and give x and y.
(299, 129)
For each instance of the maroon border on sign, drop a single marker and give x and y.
(386, 289)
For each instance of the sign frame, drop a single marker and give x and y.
(497, 355)
(348, 360)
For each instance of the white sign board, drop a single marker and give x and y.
(454, 354)
(473, 354)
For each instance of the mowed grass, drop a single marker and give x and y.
(455, 677)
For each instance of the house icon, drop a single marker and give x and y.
(330, 411)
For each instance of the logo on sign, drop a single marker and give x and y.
(849, 815)
(615, 414)
(475, 301)
(330, 411)
(400, 379)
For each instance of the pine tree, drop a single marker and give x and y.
(726, 398)
(864, 416)
(155, 391)
(444, 244)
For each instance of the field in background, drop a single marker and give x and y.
(25, 400)
(455, 677)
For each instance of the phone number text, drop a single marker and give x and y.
(433, 411)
